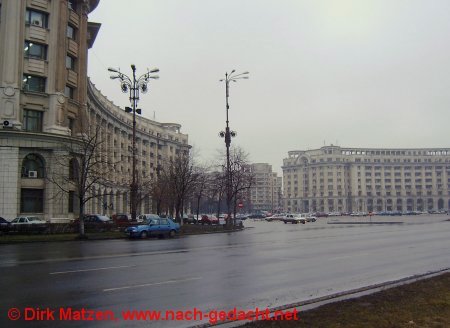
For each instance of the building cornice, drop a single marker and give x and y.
(116, 114)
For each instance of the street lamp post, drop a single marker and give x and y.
(134, 86)
(228, 134)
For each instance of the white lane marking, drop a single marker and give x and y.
(93, 269)
(152, 284)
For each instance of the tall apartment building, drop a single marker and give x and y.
(365, 179)
(46, 101)
(265, 195)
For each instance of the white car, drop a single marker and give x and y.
(294, 218)
(28, 224)
(28, 220)
(310, 218)
(275, 217)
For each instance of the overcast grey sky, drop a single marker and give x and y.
(357, 73)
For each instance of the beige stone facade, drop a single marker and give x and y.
(339, 179)
(46, 100)
(265, 194)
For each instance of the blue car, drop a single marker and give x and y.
(154, 227)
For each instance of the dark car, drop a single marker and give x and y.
(122, 221)
(5, 225)
(209, 219)
(190, 219)
(257, 216)
(95, 222)
(120, 218)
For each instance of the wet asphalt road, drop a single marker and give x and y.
(266, 265)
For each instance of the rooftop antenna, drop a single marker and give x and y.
(154, 115)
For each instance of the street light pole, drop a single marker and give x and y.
(134, 86)
(228, 134)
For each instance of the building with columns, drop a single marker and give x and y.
(335, 179)
(46, 100)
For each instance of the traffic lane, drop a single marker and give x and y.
(218, 291)
(267, 272)
(290, 237)
(75, 250)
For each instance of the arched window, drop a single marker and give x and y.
(33, 166)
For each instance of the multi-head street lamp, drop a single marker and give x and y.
(228, 134)
(134, 86)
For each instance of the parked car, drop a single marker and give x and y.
(95, 222)
(190, 219)
(358, 214)
(257, 216)
(154, 227)
(147, 217)
(28, 224)
(294, 218)
(122, 221)
(209, 219)
(121, 218)
(5, 225)
(321, 215)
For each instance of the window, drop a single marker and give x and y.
(70, 62)
(71, 201)
(70, 32)
(34, 83)
(32, 120)
(35, 50)
(71, 125)
(36, 18)
(33, 162)
(73, 169)
(68, 92)
(32, 201)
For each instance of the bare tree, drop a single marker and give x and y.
(180, 175)
(242, 178)
(81, 166)
(201, 186)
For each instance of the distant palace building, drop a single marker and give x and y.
(333, 179)
(46, 101)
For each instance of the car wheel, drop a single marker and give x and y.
(285, 222)
(172, 233)
(143, 234)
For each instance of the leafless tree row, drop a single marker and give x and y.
(181, 185)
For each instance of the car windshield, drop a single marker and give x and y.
(103, 218)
